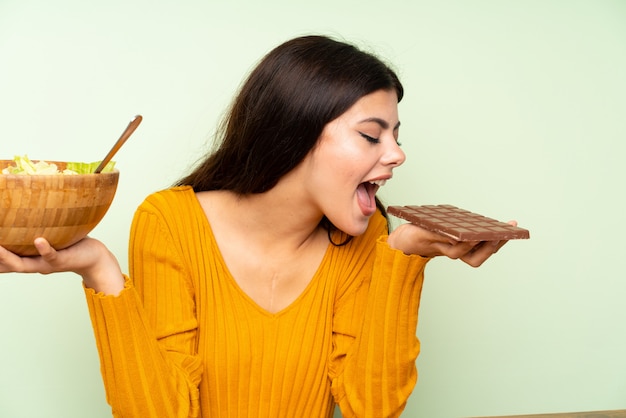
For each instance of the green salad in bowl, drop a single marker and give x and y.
(22, 165)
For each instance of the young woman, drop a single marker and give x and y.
(266, 283)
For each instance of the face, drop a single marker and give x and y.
(355, 155)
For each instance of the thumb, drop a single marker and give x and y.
(45, 249)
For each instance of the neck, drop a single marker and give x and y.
(277, 219)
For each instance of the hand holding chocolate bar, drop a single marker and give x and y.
(452, 232)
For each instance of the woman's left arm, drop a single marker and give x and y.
(375, 343)
(372, 367)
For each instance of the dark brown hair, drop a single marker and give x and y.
(282, 108)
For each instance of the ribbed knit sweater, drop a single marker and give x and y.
(183, 340)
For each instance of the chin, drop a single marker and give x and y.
(356, 228)
(354, 224)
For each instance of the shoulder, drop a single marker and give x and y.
(171, 206)
(175, 212)
(354, 261)
(171, 200)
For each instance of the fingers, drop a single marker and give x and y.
(412, 239)
(481, 252)
(456, 250)
(7, 261)
(11, 262)
(473, 253)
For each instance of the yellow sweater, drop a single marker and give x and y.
(183, 340)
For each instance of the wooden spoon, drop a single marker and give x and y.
(132, 125)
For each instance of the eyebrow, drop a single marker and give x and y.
(383, 123)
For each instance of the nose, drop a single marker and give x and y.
(393, 155)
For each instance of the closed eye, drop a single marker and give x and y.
(370, 138)
(375, 140)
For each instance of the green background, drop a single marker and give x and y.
(514, 109)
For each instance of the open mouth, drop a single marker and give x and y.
(366, 196)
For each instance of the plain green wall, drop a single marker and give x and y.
(515, 109)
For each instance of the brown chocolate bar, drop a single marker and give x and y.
(459, 224)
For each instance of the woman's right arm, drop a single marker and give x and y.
(146, 335)
(145, 328)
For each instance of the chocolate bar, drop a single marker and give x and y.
(459, 224)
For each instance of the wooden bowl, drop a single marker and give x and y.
(62, 208)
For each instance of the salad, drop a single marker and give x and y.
(24, 166)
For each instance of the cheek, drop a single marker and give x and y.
(344, 171)
(346, 160)
(340, 158)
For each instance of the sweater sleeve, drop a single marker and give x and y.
(147, 355)
(375, 346)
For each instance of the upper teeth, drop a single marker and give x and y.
(379, 183)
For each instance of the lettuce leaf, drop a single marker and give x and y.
(24, 166)
(88, 168)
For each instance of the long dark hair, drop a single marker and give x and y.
(281, 110)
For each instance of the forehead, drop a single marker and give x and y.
(379, 107)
